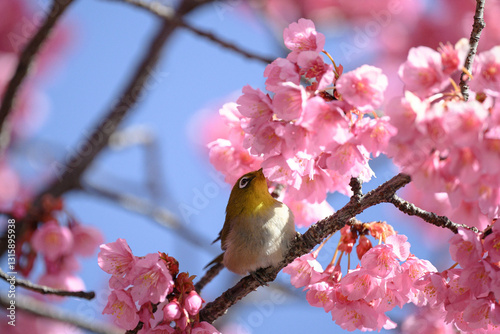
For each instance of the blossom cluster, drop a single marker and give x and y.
(446, 144)
(308, 132)
(388, 276)
(151, 290)
(59, 239)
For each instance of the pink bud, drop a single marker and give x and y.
(193, 302)
(363, 246)
(172, 311)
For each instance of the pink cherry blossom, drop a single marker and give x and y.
(374, 134)
(478, 277)
(172, 311)
(306, 213)
(289, 102)
(281, 71)
(465, 248)
(302, 36)
(204, 327)
(116, 258)
(86, 239)
(304, 270)
(363, 87)
(313, 67)
(400, 245)
(360, 284)
(477, 313)
(62, 280)
(487, 72)
(52, 240)
(232, 160)
(321, 295)
(453, 58)
(254, 103)
(193, 302)
(422, 73)
(151, 279)
(161, 329)
(380, 261)
(433, 288)
(121, 305)
(427, 320)
(492, 246)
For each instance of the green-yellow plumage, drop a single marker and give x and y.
(258, 229)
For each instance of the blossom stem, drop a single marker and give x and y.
(336, 69)
(336, 253)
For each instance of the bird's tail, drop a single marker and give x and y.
(218, 259)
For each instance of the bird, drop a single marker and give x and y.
(258, 229)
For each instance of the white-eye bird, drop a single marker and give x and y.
(258, 229)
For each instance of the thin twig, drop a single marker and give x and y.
(209, 276)
(158, 214)
(38, 308)
(165, 12)
(26, 58)
(45, 290)
(475, 34)
(430, 217)
(356, 187)
(303, 244)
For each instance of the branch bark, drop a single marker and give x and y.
(430, 217)
(304, 243)
(45, 310)
(165, 12)
(25, 60)
(45, 290)
(475, 34)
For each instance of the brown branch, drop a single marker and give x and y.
(26, 58)
(209, 276)
(475, 34)
(86, 153)
(38, 308)
(303, 244)
(165, 12)
(430, 217)
(45, 290)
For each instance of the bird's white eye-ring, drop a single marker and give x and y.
(244, 182)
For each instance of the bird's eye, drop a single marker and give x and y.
(244, 182)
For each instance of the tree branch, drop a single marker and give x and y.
(86, 153)
(26, 58)
(165, 12)
(45, 310)
(303, 244)
(45, 290)
(430, 217)
(475, 34)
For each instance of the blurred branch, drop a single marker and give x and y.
(86, 152)
(145, 137)
(303, 244)
(45, 290)
(57, 8)
(475, 34)
(209, 276)
(165, 12)
(158, 214)
(45, 310)
(430, 217)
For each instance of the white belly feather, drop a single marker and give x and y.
(262, 243)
